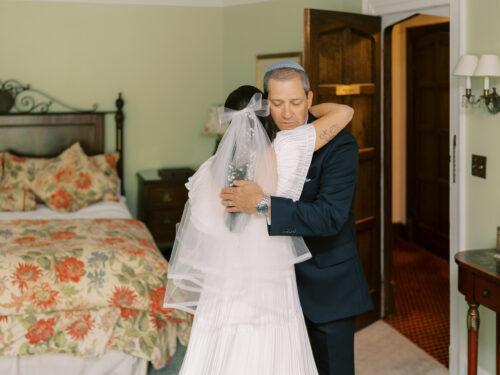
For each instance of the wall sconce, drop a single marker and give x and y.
(486, 66)
(465, 68)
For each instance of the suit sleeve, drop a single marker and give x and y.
(328, 213)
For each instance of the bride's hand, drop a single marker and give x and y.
(242, 198)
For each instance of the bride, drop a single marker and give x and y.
(225, 268)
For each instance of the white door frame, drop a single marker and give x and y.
(457, 146)
(457, 189)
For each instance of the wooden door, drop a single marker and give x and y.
(342, 58)
(428, 137)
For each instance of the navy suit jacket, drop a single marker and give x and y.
(331, 284)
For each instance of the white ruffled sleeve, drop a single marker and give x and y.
(294, 150)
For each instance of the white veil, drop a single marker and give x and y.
(213, 250)
(245, 153)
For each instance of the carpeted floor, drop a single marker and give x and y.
(422, 299)
(381, 350)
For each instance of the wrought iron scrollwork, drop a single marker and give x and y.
(18, 98)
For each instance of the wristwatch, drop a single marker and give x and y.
(262, 206)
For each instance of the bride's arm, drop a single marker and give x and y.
(332, 118)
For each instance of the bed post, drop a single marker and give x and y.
(119, 118)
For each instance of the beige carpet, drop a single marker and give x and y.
(381, 350)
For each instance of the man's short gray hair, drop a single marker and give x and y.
(284, 74)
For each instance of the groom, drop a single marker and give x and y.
(332, 285)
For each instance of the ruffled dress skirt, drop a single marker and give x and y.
(241, 287)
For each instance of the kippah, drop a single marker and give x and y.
(285, 64)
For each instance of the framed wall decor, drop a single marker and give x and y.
(264, 61)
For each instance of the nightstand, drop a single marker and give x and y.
(160, 203)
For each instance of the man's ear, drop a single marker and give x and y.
(309, 99)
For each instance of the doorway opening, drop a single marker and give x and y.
(416, 180)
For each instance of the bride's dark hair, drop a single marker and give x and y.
(239, 99)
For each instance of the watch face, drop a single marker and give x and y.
(262, 207)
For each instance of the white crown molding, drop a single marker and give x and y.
(186, 3)
(241, 2)
(382, 7)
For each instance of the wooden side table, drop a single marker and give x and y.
(479, 281)
(161, 203)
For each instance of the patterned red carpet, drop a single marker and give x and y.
(421, 299)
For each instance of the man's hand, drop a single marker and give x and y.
(243, 197)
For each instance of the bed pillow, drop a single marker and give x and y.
(16, 199)
(70, 182)
(106, 163)
(2, 155)
(20, 171)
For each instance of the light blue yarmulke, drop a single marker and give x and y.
(285, 64)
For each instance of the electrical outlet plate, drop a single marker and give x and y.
(479, 166)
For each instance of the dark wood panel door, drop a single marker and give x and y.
(342, 58)
(428, 137)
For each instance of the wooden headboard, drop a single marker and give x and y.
(30, 129)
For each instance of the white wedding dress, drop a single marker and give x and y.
(248, 319)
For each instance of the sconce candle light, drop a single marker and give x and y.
(465, 68)
(486, 66)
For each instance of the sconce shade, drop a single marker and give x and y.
(466, 66)
(488, 66)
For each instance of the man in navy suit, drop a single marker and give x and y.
(332, 286)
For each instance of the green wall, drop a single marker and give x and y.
(482, 138)
(270, 27)
(172, 63)
(166, 60)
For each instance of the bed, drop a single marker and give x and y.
(81, 291)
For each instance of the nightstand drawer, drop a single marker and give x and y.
(162, 224)
(166, 196)
(487, 293)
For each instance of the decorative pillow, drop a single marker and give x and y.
(69, 183)
(2, 156)
(20, 171)
(16, 199)
(106, 163)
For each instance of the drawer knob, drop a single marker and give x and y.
(166, 197)
(166, 220)
(486, 292)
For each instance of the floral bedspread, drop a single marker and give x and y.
(84, 287)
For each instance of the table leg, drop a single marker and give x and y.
(473, 330)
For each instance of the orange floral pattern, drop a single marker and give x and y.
(60, 200)
(85, 286)
(70, 182)
(25, 240)
(20, 171)
(159, 315)
(42, 296)
(123, 297)
(16, 199)
(41, 331)
(64, 175)
(63, 235)
(106, 163)
(70, 269)
(25, 274)
(80, 327)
